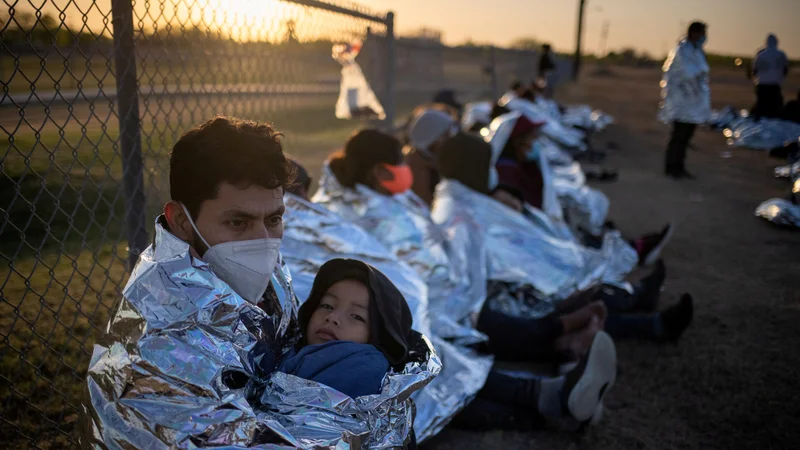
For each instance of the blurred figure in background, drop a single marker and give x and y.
(770, 67)
(547, 71)
(448, 97)
(686, 96)
(427, 132)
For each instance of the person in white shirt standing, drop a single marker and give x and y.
(770, 67)
(686, 97)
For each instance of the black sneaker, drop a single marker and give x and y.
(649, 247)
(586, 385)
(677, 318)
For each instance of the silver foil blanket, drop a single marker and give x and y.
(529, 249)
(442, 307)
(583, 116)
(187, 363)
(685, 94)
(780, 211)
(765, 134)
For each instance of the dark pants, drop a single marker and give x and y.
(517, 339)
(623, 322)
(505, 403)
(676, 150)
(769, 101)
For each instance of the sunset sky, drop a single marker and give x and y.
(735, 26)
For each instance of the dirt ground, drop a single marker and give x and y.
(732, 381)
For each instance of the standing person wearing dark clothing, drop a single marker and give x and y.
(547, 70)
(770, 67)
(686, 96)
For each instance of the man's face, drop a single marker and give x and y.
(342, 315)
(235, 214)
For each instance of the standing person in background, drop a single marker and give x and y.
(770, 67)
(686, 96)
(547, 70)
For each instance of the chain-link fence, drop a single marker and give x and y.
(96, 92)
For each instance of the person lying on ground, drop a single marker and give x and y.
(666, 326)
(519, 171)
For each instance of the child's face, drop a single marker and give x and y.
(342, 315)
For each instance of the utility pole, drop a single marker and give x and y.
(604, 40)
(576, 66)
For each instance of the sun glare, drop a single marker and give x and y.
(241, 20)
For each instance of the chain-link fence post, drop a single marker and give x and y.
(391, 66)
(130, 139)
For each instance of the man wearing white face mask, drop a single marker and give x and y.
(227, 179)
(208, 307)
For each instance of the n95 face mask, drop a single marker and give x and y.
(245, 265)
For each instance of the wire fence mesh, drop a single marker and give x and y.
(85, 163)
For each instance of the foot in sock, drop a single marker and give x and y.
(677, 318)
(649, 289)
(586, 385)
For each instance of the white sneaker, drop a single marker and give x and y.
(586, 385)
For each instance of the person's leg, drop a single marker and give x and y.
(483, 415)
(575, 394)
(686, 136)
(645, 294)
(664, 326)
(775, 101)
(517, 339)
(671, 161)
(756, 111)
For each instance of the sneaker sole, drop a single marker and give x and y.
(599, 375)
(655, 254)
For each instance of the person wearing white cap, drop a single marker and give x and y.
(426, 133)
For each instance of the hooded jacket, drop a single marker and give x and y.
(771, 65)
(389, 314)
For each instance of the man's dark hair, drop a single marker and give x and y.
(230, 150)
(301, 180)
(516, 84)
(697, 27)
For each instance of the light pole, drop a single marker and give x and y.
(576, 67)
